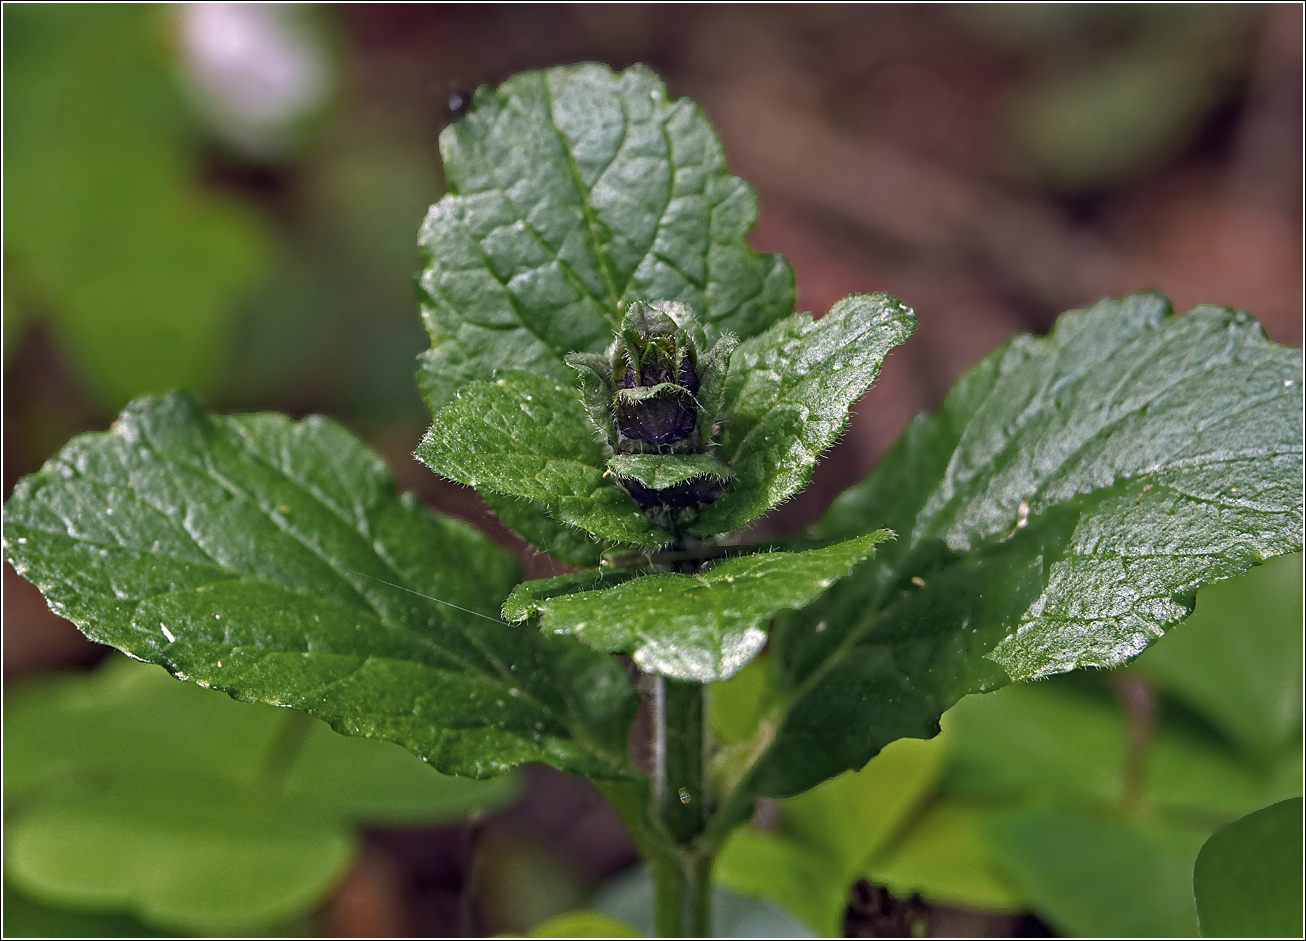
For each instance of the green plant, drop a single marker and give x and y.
(626, 384)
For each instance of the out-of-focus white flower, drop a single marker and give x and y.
(256, 70)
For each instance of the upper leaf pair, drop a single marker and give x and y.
(785, 399)
(584, 203)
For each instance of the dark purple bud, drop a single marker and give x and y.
(668, 416)
(692, 493)
(654, 362)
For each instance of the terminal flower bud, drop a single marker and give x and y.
(657, 391)
(655, 367)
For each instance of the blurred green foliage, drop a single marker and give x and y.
(583, 924)
(1074, 797)
(829, 831)
(1247, 880)
(1237, 663)
(148, 280)
(288, 285)
(1113, 91)
(25, 918)
(107, 232)
(334, 322)
(128, 792)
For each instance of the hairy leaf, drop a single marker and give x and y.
(532, 522)
(573, 191)
(274, 560)
(702, 627)
(787, 398)
(1063, 508)
(659, 471)
(527, 597)
(528, 437)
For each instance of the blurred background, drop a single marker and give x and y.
(225, 197)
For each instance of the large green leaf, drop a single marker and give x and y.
(528, 437)
(1247, 878)
(787, 398)
(1202, 410)
(1061, 510)
(703, 627)
(573, 191)
(274, 560)
(106, 231)
(115, 778)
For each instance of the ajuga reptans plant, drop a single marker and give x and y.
(627, 386)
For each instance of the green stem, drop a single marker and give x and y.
(678, 748)
(682, 878)
(670, 824)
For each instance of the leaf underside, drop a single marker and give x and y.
(1064, 506)
(274, 560)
